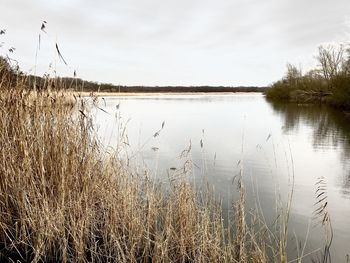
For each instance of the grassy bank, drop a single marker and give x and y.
(328, 83)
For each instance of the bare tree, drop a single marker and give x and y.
(332, 60)
(346, 66)
(293, 74)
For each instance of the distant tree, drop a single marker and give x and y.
(346, 66)
(329, 82)
(293, 74)
(332, 60)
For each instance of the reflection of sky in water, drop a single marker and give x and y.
(273, 136)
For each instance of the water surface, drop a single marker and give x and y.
(271, 142)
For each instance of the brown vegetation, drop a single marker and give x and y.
(64, 200)
(60, 200)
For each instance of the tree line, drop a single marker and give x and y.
(45, 82)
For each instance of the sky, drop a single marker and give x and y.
(172, 42)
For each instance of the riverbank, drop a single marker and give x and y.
(145, 94)
(329, 83)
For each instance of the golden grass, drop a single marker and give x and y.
(61, 201)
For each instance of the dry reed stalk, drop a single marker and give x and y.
(61, 200)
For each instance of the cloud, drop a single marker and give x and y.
(168, 42)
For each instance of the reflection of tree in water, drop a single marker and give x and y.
(347, 182)
(330, 127)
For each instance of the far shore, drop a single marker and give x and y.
(133, 94)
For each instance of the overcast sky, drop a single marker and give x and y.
(173, 42)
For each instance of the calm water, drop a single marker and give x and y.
(225, 132)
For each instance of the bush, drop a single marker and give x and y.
(341, 92)
(279, 91)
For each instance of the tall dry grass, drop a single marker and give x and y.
(61, 201)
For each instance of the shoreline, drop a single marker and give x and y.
(144, 94)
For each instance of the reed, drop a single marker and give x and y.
(61, 200)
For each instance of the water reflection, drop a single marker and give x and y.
(330, 128)
(219, 127)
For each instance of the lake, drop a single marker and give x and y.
(210, 138)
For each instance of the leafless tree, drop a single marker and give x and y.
(332, 60)
(293, 74)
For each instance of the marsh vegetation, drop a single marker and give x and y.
(62, 200)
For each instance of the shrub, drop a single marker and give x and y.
(341, 92)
